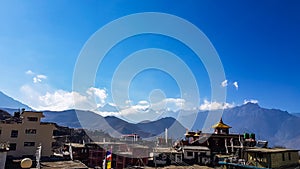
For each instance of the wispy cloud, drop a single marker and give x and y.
(29, 72)
(107, 113)
(170, 104)
(224, 83)
(251, 101)
(37, 78)
(144, 110)
(235, 84)
(128, 102)
(142, 105)
(207, 105)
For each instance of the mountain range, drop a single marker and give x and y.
(10, 103)
(113, 125)
(278, 127)
(296, 114)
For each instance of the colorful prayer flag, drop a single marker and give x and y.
(108, 159)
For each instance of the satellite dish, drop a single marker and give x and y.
(26, 163)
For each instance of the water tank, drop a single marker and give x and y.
(26, 163)
(252, 135)
(246, 135)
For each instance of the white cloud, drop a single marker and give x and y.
(105, 113)
(142, 106)
(235, 84)
(224, 83)
(29, 72)
(36, 78)
(207, 105)
(143, 102)
(29, 96)
(41, 97)
(143, 110)
(112, 104)
(100, 94)
(39, 78)
(251, 101)
(177, 101)
(60, 100)
(170, 104)
(128, 102)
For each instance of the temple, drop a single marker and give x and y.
(221, 128)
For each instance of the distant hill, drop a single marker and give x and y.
(10, 103)
(4, 115)
(296, 114)
(175, 129)
(66, 118)
(276, 126)
(108, 108)
(113, 125)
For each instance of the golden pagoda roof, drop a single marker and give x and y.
(190, 133)
(196, 135)
(221, 125)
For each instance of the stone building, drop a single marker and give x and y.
(272, 158)
(24, 132)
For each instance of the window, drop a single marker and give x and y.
(14, 134)
(30, 131)
(189, 153)
(29, 144)
(290, 158)
(202, 154)
(55, 133)
(283, 158)
(216, 141)
(32, 118)
(178, 158)
(55, 145)
(12, 147)
(261, 157)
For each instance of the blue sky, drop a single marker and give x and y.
(257, 42)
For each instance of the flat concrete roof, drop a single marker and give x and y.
(164, 150)
(138, 146)
(270, 150)
(106, 143)
(201, 148)
(64, 165)
(77, 145)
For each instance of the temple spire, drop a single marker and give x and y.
(221, 127)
